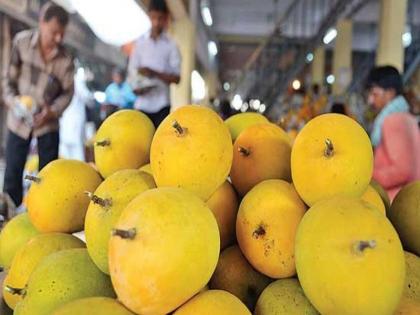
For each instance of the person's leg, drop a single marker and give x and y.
(16, 153)
(159, 116)
(48, 148)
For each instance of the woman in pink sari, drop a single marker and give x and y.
(395, 134)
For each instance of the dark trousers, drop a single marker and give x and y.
(16, 153)
(157, 118)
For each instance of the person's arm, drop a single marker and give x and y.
(173, 75)
(399, 147)
(165, 77)
(11, 76)
(55, 110)
(67, 84)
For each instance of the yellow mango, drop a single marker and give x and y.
(261, 152)
(29, 256)
(60, 278)
(266, 226)
(14, 236)
(373, 197)
(408, 307)
(93, 306)
(239, 122)
(165, 239)
(235, 275)
(192, 149)
(107, 203)
(284, 297)
(147, 168)
(224, 205)
(349, 258)
(331, 155)
(123, 141)
(56, 200)
(213, 302)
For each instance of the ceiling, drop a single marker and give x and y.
(241, 25)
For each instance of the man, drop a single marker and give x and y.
(37, 88)
(156, 57)
(395, 134)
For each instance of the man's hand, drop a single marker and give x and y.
(43, 117)
(143, 91)
(147, 72)
(165, 77)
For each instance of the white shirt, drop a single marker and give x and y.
(161, 55)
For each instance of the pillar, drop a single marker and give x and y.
(391, 27)
(342, 69)
(318, 66)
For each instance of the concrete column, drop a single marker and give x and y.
(318, 66)
(342, 70)
(183, 32)
(391, 27)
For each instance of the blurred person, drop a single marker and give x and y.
(157, 58)
(118, 94)
(225, 109)
(338, 108)
(73, 120)
(37, 88)
(395, 134)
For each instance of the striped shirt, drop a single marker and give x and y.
(48, 83)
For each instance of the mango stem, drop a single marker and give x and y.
(244, 151)
(125, 234)
(179, 129)
(15, 291)
(34, 179)
(103, 143)
(329, 148)
(104, 203)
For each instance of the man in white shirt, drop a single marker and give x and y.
(156, 57)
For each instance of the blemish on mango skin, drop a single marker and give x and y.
(260, 231)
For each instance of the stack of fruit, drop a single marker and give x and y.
(211, 226)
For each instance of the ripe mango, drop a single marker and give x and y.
(266, 226)
(108, 201)
(213, 302)
(192, 149)
(14, 236)
(284, 297)
(261, 152)
(239, 122)
(224, 204)
(56, 199)
(331, 155)
(372, 196)
(349, 258)
(166, 239)
(235, 275)
(29, 256)
(93, 306)
(123, 142)
(60, 278)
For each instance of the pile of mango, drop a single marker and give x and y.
(211, 217)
